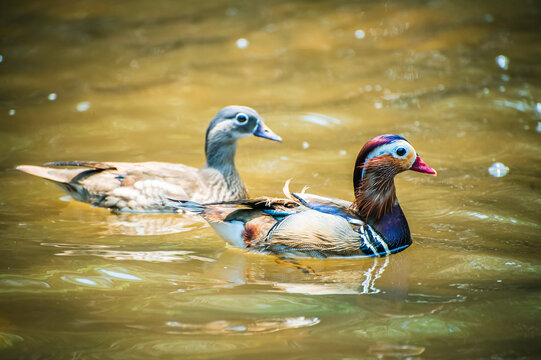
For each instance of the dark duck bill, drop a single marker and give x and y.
(264, 131)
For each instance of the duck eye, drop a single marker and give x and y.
(400, 151)
(241, 118)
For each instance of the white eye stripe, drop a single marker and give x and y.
(391, 149)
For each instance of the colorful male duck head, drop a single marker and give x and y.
(378, 162)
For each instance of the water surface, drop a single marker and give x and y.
(97, 80)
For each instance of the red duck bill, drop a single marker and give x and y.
(420, 166)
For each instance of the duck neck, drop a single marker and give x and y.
(377, 204)
(221, 157)
(393, 226)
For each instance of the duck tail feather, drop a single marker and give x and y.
(186, 205)
(57, 176)
(91, 164)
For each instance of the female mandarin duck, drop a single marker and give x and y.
(310, 225)
(141, 187)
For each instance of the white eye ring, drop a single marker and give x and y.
(241, 118)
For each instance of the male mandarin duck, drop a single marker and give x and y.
(314, 226)
(143, 187)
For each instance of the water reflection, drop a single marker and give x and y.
(343, 284)
(460, 78)
(240, 327)
(396, 351)
(354, 276)
(17, 283)
(152, 256)
(155, 224)
(133, 224)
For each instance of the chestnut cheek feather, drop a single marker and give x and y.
(386, 164)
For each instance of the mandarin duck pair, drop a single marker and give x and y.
(302, 225)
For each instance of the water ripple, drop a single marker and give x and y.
(16, 283)
(244, 327)
(8, 340)
(151, 256)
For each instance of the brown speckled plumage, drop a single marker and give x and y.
(144, 187)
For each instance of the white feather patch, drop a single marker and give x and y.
(230, 232)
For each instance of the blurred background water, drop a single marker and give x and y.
(139, 81)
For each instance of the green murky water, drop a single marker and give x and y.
(140, 81)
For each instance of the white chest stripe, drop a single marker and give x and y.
(376, 236)
(364, 230)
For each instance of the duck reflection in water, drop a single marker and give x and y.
(385, 276)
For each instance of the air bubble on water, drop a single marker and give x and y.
(231, 12)
(359, 34)
(502, 88)
(83, 106)
(378, 105)
(52, 96)
(538, 127)
(502, 61)
(486, 91)
(368, 88)
(11, 112)
(342, 152)
(242, 43)
(538, 107)
(1, 58)
(498, 170)
(305, 145)
(505, 77)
